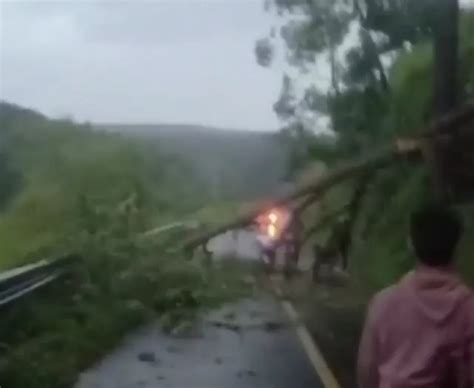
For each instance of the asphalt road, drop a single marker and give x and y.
(243, 244)
(250, 344)
(240, 243)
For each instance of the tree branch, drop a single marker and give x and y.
(317, 188)
(446, 126)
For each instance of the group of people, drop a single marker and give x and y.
(419, 333)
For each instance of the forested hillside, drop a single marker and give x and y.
(70, 188)
(53, 171)
(232, 164)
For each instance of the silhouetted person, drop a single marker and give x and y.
(293, 238)
(419, 333)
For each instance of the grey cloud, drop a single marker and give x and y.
(180, 61)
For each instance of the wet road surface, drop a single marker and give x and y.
(243, 243)
(246, 345)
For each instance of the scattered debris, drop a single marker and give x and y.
(226, 325)
(273, 326)
(147, 357)
(187, 329)
(266, 326)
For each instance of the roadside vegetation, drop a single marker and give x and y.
(71, 188)
(385, 86)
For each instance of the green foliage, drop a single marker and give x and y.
(411, 80)
(62, 166)
(119, 285)
(10, 180)
(467, 55)
(364, 117)
(94, 193)
(35, 225)
(325, 27)
(380, 252)
(359, 118)
(400, 21)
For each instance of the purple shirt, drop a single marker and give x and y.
(419, 333)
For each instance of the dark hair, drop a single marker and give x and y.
(435, 232)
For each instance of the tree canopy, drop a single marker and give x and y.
(393, 66)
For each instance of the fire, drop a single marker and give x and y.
(272, 230)
(272, 222)
(273, 217)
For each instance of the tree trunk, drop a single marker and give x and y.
(381, 158)
(372, 47)
(374, 53)
(445, 90)
(445, 29)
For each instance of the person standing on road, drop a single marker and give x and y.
(419, 333)
(292, 237)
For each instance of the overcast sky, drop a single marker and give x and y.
(142, 61)
(183, 61)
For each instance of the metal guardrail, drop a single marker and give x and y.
(190, 224)
(23, 280)
(20, 281)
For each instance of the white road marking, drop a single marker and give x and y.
(312, 351)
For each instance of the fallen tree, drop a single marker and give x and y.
(401, 149)
(316, 188)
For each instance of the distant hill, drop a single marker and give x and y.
(60, 179)
(233, 164)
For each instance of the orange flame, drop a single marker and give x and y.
(273, 217)
(272, 230)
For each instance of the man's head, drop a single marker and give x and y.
(435, 232)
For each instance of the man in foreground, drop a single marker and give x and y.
(419, 333)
